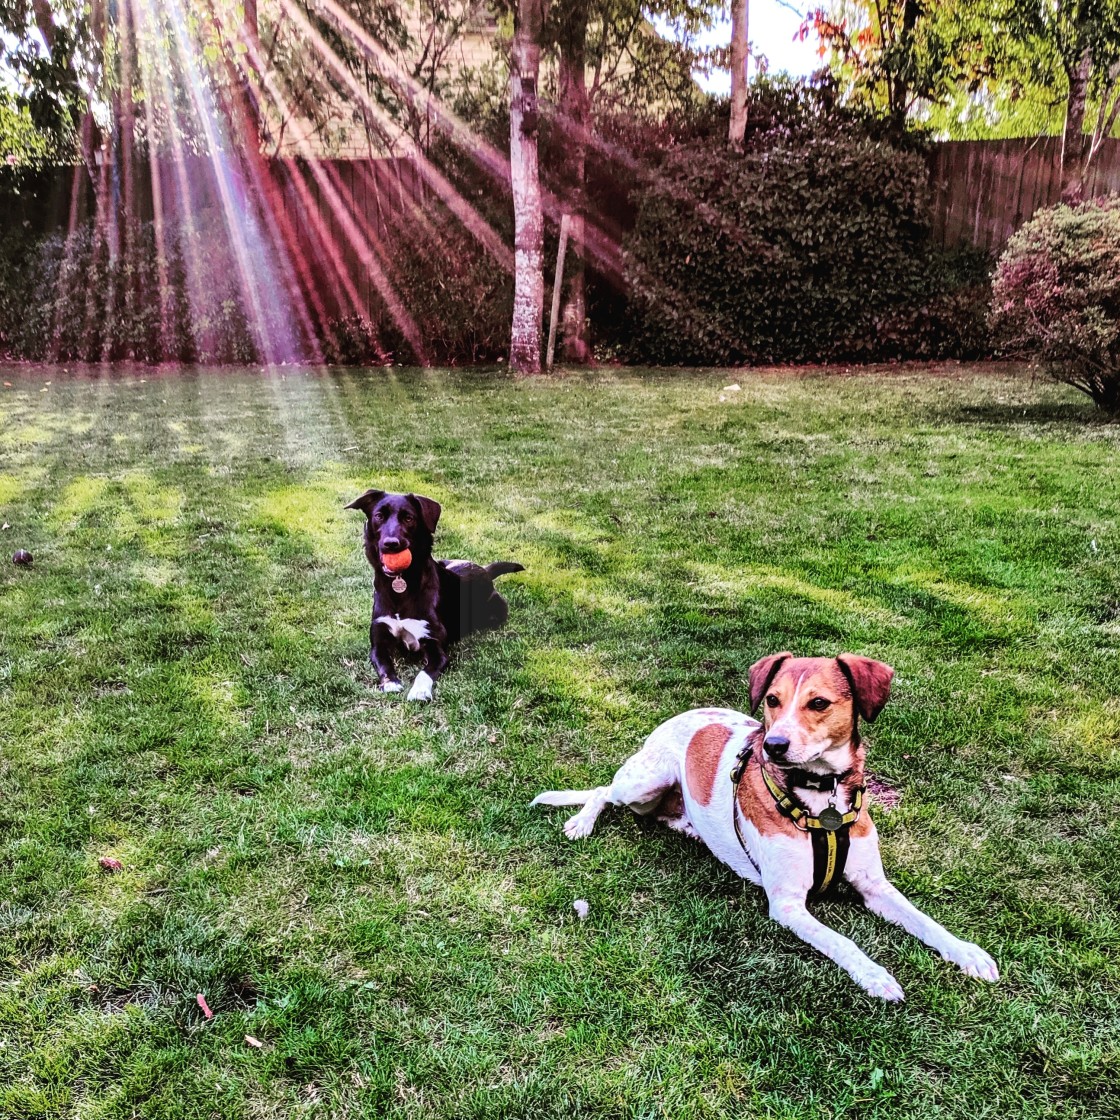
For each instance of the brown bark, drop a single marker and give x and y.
(899, 91)
(45, 22)
(1073, 136)
(528, 219)
(740, 16)
(575, 111)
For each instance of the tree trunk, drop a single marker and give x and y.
(528, 220)
(575, 112)
(740, 16)
(1073, 136)
(898, 94)
(87, 144)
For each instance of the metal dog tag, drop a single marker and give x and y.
(831, 818)
(399, 586)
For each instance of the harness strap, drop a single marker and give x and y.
(737, 772)
(830, 841)
(830, 854)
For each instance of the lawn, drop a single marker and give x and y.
(359, 884)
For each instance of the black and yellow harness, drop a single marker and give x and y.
(829, 831)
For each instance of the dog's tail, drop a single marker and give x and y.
(503, 568)
(563, 797)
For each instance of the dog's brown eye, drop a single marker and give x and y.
(819, 703)
(772, 701)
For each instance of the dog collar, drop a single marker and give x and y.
(396, 580)
(820, 783)
(830, 819)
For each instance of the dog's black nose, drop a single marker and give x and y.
(391, 544)
(776, 745)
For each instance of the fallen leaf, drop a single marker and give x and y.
(110, 864)
(732, 388)
(200, 999)
(254, 1042)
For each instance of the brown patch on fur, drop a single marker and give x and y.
(701, 760)
(865, 826)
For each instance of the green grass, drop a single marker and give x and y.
(359, 882)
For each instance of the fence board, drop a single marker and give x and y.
(983, 190)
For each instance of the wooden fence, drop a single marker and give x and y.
(336, 216)
(984, 190)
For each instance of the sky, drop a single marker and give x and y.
(773, 25)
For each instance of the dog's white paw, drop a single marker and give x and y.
(882, 984)
(421, 687)
(579, 826)
(973, 961)
(392, 686)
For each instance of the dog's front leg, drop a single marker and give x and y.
(865, 873)
(789, 910)
(787, 875)
(435, 661)
(381, 658)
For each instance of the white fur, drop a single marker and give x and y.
(411, 631)
(392, 686)
(421, 687)
(784, 863)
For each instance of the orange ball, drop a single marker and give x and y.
(396, 561)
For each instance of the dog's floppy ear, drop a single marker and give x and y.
(870, 681)
(762, 673)
(366, 501)
(429, 511)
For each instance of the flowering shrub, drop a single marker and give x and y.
(1056, 297)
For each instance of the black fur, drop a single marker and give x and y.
(454, 597)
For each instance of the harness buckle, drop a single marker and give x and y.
(741, 760)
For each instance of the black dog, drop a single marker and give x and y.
(429, 604)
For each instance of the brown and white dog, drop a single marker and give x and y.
(807, 750)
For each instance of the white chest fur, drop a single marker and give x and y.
(410, 631)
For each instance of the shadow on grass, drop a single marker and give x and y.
(999, 414)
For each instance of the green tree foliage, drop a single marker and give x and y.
(895, 58)
(972, 69)
(50, 73)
